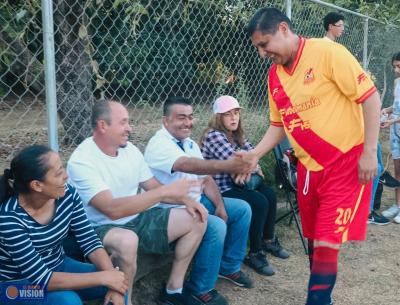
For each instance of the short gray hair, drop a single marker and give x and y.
(101, 111)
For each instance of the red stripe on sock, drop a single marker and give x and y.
(319, 287)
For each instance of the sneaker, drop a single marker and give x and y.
(376, 219)
(209, 298)
(387, 180)
(391, 212)
(259, 263)
(238, 278)
(275, 248)
(397, 218)
(171, 299)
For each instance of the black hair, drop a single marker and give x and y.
(396, 57)
(332, 18)
(28, 165)
(267, 20)
(174, 100)
(101, 110)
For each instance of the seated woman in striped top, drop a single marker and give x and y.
(37, 210)
(222, 137)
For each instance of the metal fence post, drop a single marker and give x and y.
(289, 9)
(365, 48)
(50, 73)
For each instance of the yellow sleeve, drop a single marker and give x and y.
(348, 75)
(274, 115)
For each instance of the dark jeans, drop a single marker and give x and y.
(263, 206)
(378, 197)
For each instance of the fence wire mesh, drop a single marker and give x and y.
(140, 51)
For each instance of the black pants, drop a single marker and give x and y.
(378, 197)
(263, 206)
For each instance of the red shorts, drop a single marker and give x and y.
(335, 207)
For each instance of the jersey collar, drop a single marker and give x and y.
(296, 60)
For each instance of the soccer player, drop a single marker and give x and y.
(328, 107)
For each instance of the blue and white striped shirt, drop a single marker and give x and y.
(29, 250)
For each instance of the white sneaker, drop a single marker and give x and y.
(392, 212)
(397, 219)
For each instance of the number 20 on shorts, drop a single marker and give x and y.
(344, 216)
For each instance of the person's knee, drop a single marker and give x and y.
(124, 248)
(244, 210)
(237, 208)
(260, 205)
(216, 229)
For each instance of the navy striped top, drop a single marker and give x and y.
(29, 250)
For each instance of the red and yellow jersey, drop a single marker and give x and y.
(318, 101)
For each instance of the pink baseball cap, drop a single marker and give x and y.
(225, 103)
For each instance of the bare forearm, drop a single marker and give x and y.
(116, 208)
(100, 259)
(212, 192)
(272, 137)
(74, 281)
(201, 167)
(371, 112)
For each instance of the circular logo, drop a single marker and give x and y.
(12, 292)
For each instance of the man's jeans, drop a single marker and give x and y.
(223, 247)
(378, 174)
(66, 297)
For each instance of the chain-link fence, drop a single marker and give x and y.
(141, 51)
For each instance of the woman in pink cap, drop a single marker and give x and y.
(223, 136)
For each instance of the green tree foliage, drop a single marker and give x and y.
(387, 11)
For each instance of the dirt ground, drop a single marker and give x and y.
(368, 272)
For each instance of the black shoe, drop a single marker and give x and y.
(259, 263)
(171, 299)
(376, 219)
(209, 298)
(275, 248)
(238, 278)
(387, 180)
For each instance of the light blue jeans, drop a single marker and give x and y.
(66, 297)
(378, 174)
(223, 247)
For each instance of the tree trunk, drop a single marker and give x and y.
(74, 78)
(27, 68)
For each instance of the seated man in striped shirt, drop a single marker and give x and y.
(107, 171)
(37, 211)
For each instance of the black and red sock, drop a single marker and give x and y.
(323, 275)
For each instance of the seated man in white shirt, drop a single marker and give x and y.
(107, 170)
(172, 155)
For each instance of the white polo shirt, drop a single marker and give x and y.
(161, 153)
(91, 171)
